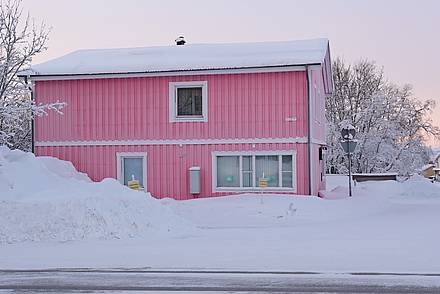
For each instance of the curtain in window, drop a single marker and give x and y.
(228, 171)
(266, 166)
(133, 166)
(189, 101)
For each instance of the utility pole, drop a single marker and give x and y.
(349, 173)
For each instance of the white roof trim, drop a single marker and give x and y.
(171, 142)
(173, 73)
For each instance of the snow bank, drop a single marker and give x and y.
(43, 198)
(415, 189)
(337, 193)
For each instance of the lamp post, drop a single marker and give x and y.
(349, 145)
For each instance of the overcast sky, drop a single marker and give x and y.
(402, 36)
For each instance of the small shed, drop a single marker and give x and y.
(436, 168)
(375, 177)
(428, 170)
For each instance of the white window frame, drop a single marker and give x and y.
(215, 154)
(173, 86)
(119, 166)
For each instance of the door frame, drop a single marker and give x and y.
(119, 166)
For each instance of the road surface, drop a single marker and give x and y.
(178, 282)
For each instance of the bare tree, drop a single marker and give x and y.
(391, 123)
(20, 40)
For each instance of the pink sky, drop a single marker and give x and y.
(400, 35)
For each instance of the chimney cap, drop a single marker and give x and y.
(180, 40)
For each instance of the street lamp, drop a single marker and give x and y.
(348, 143)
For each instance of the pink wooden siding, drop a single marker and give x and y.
(251, 105)
(318, 125)
(327, 73)
(167, 174)
(317, 183)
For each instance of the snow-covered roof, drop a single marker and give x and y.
(184, 58)
(427, 166)
(375, 174)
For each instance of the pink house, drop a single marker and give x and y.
(191, 121)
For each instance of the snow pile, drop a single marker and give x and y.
(420, 188)
(336, 193)
(43, 198)
(415, 189)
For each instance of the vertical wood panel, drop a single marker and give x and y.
(240, 106)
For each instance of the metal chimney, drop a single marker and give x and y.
(180, 41)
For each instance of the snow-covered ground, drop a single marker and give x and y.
(385, 227)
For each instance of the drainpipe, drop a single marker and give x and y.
(309, 131)
(31, 88)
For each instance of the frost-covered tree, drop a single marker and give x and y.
(391, 123)
(20, 40)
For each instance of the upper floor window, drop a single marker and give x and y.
(188, 101)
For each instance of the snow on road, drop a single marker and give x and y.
(385, 227)
(119, 282)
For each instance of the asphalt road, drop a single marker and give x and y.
(139, 281)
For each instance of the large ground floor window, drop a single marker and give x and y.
(271, 170)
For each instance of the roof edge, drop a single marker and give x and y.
(253, 69)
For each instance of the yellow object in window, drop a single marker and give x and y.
(133, 184)
(263, 182)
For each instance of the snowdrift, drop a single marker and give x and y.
(414, 189)
(46, 199)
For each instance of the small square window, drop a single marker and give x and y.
(188, 101)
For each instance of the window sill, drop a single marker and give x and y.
(254, 189)
(139, 190)
(190, 119)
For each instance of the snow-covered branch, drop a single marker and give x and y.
(391, 123)
(43, 109)
(20, 40)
